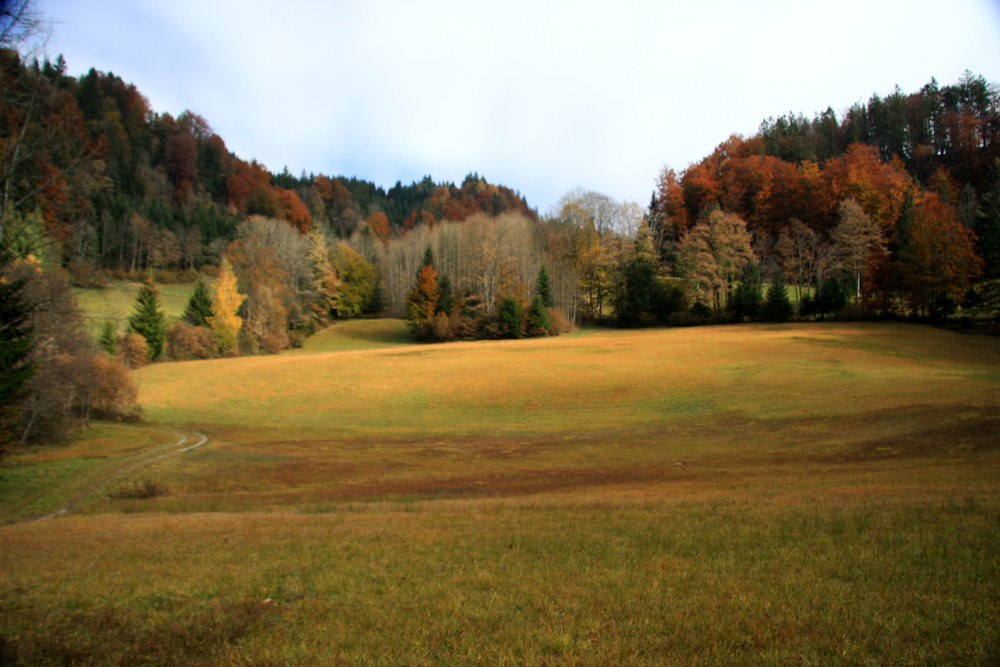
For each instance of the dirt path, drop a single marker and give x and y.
(185, 443)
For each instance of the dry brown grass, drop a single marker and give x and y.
(749, 495)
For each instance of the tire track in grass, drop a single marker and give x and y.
(185, 443)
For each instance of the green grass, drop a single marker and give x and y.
(742, 495)
(117, 301)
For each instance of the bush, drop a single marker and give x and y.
(186, 342)
(134, 350)
(140, 489)
(558, 324)
(113, 393)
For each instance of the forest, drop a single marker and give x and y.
(891, 209)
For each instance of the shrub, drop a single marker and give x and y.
(558, 324)
(186, 341)
(134, 350)
(113, 393)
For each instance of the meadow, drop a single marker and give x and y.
(116, 303)
(807, 493)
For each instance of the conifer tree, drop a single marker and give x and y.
(16, 344)
(777, 307)
(539, 317)
(109, 340)
(423, 298)
(199, 306)
(510, 317)
(543, 288)
(147, 319)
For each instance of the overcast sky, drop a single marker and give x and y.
(538, 96)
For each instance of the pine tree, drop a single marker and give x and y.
(510, 317)
(16, 344)
(199, 306)
(423, 299)
(538, 316)
(109, 340)
(543, 288)
(147, 319)
(778, 307)
(446, 296)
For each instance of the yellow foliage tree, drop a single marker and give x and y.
(226, 300)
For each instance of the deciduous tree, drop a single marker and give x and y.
(856, 237)
(226, 301)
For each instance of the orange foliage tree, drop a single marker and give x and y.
(378, 222)
(940, 260)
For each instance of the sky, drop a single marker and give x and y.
(542, 97)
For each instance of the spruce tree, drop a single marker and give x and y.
(543, 288)
(108, 340)
(147, 320)
(199, 306)
(538, 316)
(510, 318)
(16, 345)
(777, 307)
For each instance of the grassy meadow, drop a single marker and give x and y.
(117, 301)
(809, 494)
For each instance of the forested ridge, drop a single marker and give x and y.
(125, 187)
(889, 209)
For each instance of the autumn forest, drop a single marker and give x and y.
(889, 209)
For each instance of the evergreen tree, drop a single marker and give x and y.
(422, 301)
(831, 297)
(538, 317)
(987, 225)
(16, 345)
(543, 288)
(147, 319)
(199, 306)
(108, 340)
(778, 307)
(446, 296)
(510, 317)
(747, 295)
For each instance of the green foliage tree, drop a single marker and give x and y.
(538, 317)
(637, 296)
(987, 225)
(147, 319)
(830, 298)
(778, 307)
(359, 283)
(543, 287)
(199, 306)
(510, 318)
(109, 338)
(746, 299)
(446, 296)
(16, 344)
